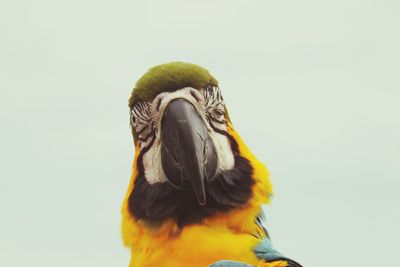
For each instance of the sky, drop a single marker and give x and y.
(313, 87)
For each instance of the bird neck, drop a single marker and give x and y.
(169, 210)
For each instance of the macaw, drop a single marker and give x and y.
(196, 191)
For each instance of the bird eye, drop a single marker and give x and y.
(133, 119)
(141, 116)
(219, 112)
(214, 105)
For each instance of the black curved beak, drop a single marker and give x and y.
(188, 154)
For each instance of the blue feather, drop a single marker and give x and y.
(229, 264)
(264, 250)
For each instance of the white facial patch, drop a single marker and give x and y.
(226, 160)
(153, 170)
(152, 158)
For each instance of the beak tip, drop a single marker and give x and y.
(201, 198)
(202, 202)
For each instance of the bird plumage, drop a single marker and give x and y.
(167, 225)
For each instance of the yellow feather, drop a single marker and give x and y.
(225, 236)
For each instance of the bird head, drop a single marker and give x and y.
(190, 164)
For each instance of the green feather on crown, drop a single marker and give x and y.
(168, 78)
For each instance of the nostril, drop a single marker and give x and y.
(158, 104)
(196, 95)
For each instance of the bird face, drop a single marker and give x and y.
(190, 163)
(183, 140)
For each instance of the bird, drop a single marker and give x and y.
(196, 193)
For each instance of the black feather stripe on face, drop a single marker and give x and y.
(155, 203)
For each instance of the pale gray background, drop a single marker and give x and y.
(312, 86)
